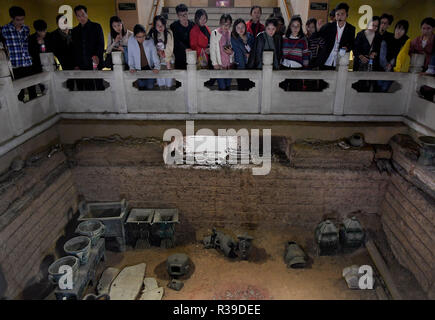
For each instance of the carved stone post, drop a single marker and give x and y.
(417, 63)
(9, 99)
(47, 62)
(341, 84)
(118, 85)
(266, 83)
(192, 82)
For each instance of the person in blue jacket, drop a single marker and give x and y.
(242, 43)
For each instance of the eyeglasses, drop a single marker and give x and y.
(183, 15)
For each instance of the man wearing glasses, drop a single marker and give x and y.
(181, 30)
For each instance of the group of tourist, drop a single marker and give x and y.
(235, 44)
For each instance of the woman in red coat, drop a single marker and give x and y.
(200, 36)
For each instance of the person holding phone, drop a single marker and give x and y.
(242, 43)
(117, 39)
(221, 52)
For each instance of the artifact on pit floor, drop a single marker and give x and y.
(244, 246)
(352, 276)
(84, 276)
(357, 140)
(106, 280)
(344, 145)
(79, 247)
(95, 297)
(384, 165)
(352, 234)
(427, 151)
(177, 265)
(54, 273)
(93, 229)
(111, 214)
(222, 242)
(151, 291)
(54, 149)
(294, 256)
(176, 285)
(327, 238)
(138, 227)
(164, 226)
(150, 284)
(128, 283)
(153, 294)
(17, 164)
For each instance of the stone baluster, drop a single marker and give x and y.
(417, 63)
(118, 85)
(415, 67)
(341, 84)
(266, 83)
(192, 82)
(47, 61)
(8, 99)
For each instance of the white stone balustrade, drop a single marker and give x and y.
(266, 101)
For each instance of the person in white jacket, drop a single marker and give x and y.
(118, 37)
(221, 52)
(164, 42)
(142, 55)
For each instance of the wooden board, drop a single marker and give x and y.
(128, 283)
(106, 280)
(154, 294)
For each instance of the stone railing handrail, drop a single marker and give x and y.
(266, 101)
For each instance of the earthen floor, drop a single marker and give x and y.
(265, 276)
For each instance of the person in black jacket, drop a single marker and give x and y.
(339, 38)
(62, 46)
(38, 44)
(267, 40)
(366, 50)
(181, 31)
(367, 47)
(88, 42)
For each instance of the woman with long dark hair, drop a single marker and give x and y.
(200, 38)
(315, 42)
(164, 42)
(242, 43)
(367, 47)
(268, 40)
(221, 52)
(200, 42)
(390, 49)
(366, 52)
(295, 52)
(117, 39)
